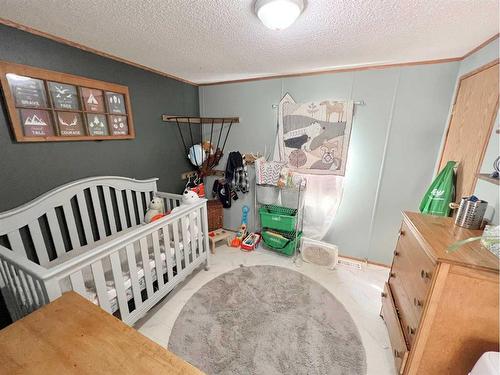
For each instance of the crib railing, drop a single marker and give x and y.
(30, 286)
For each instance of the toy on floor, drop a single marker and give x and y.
(219, 235)
(242, 231)
(250, 242)
(155, 211)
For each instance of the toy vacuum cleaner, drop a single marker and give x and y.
(242, 231)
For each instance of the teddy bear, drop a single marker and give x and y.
(189, 197)
(155, 209)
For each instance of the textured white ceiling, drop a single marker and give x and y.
(217, 40)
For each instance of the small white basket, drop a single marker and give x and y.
(319, 253)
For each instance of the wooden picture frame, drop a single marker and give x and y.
(37, 116)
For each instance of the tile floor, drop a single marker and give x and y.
(358, 290)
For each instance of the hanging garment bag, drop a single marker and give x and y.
(437, 199)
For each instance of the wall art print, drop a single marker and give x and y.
(314, 136)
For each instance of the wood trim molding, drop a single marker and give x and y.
(485, 43)
(58, 39)
(361, 260)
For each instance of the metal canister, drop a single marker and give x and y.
(471, 213)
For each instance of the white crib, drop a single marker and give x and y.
(89, 236)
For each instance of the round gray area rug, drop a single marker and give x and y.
(267, 320)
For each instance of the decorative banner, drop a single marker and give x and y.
(314, 136)
(97, 125)
(27, 92)
(93, 100)
(36, 123)
(70, 124)
(116, 103)
(118, 125)
(64, 96)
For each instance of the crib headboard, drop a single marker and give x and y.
(74, 215)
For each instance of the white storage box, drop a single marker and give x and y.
(319, 253)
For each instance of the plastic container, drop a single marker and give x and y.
(319, 253)
(278, 218)
(267, 194)
(284, 242)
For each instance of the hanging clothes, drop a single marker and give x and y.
(236, 172)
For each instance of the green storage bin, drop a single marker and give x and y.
(283, 242)
(278, 218)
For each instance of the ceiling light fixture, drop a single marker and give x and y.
(278, 14)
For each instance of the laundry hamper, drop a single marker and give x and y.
(215, 213)
(319, 253)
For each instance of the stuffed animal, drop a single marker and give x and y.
(207, 147)
(155, 211)
(188, 197)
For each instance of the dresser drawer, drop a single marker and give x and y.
(413, 268)
(390, 316)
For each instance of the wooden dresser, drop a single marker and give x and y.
(441, 309)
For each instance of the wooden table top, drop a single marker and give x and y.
(73, 336)
(438, 232)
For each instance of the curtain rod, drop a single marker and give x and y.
(357, 102)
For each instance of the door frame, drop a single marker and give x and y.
(491, 124)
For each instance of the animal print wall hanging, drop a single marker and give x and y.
(314, 136)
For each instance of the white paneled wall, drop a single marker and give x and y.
(394, 143)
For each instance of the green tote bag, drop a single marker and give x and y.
(441, 192)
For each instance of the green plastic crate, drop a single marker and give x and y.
(283, 242)
(278, 218)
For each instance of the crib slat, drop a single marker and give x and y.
(16, 243)
(177, 247)
(204, 230)
(21, 293)
(121, 209)
(15, 301)
(200, 232)
(146, 266)
(131, 208)
(193, 230)
(38, 242)
(158, 261)
(55, 231)
(168, 205)
(70, 220)
(185, 239)
(100, 285)
(42, 298)
(28, 295)
(140, 205)
(98, 212)
(35, 293)
(109, 209)
(116, 269)
(77, 283)
(84, 213)
(132, 266)
(168, 253)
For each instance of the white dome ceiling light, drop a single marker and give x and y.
(278, 14)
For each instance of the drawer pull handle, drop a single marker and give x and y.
(397, 354)
(396, 253)
(392, 274)
(383, 294)
(425, 275)
(410, 330)
(401, 233)
(417, 302)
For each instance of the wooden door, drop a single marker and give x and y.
(471, 124)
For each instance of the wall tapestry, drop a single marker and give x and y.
(314, 137)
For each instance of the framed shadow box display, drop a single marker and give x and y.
(47, 106)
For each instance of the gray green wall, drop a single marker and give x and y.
(395, 141)
(30, 169)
